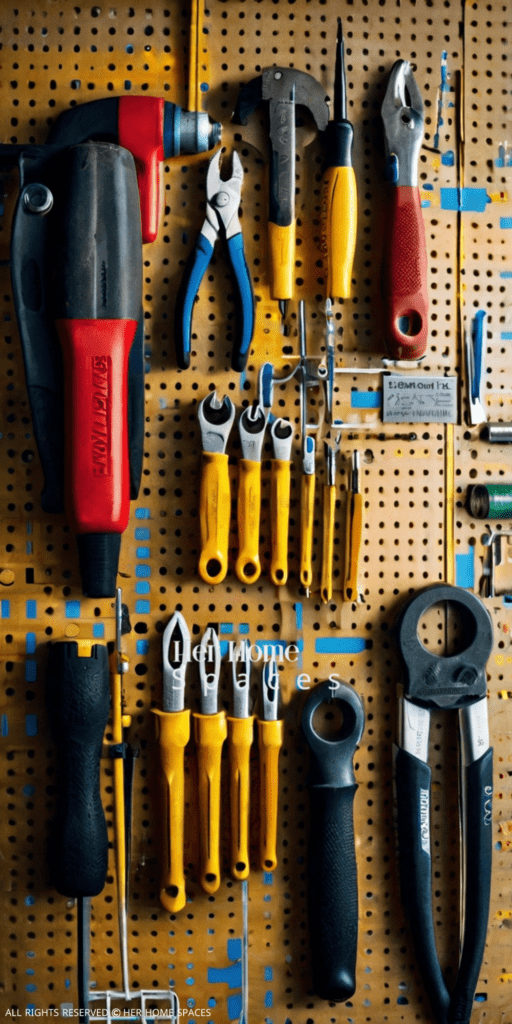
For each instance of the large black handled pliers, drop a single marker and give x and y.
(456, 682)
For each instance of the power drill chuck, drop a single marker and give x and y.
(188, 131)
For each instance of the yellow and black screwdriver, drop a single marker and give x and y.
(339, 206)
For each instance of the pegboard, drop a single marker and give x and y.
(54, 54)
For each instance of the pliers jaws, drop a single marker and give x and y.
(222, 202)
(403, 117)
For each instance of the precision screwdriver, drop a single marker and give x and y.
(339, 187)
(354, 533)
(329, 513)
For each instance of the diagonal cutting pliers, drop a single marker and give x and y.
(222, 203)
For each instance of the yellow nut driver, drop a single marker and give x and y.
(282, 437)
(173, 726)
(270, 739)
(215, 422)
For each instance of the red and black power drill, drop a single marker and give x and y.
(76, 265)
(152, 130)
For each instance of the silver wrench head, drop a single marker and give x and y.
(209, 671)
(215, 422)
(175, 655)
(251, 426)
(281, 433)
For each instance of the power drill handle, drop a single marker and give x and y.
(77, 699)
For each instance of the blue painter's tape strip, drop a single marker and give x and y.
(98, 630)
(29, 547)
(243, 628)
(143, 553)
(448, 158)
(30, 643)
(231, 975)
(30, 670)
(142, 588)
(142, 607)
(31, 725)
(506, 223)
(31, 610)
(142, 572)
(465, 569)
(427, 187)
(506, 274)
(6, 609)
(269, 998)
(224, 648)
(72, 609)
(471, 200)
(269, 974)
(268, 878)
(142, 646)
(365, 399)
(142, 533)
(340, 645)
(4, 725)
(449, 199)
(234, 949)
(142, 513)
(506, 335)
(226, 628)
(299, 618)
(234, 1007)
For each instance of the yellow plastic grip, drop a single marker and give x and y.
(173, 732)
(210, 732)
(282, 260)
(240, 737)
(270, 738)
(340, 210)
(328, 542)
(353, 547)
(279, 519)
(307, 518)
(214, 517)
(248, 567)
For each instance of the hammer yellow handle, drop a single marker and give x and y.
(340, 205)
(270, 738)
(328, 542)
(307, 518)
(282, 260)
(214, 516)
(354, 538)
(173, 732)
(240, 737)
(279, 519)
(248, 567)
(210, 733)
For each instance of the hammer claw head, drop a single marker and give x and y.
(279, 84)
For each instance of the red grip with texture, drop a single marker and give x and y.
(97, 470)
(141, 131)
(405, 275)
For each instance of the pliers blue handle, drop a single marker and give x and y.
(223, 198)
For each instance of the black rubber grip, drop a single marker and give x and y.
(77, 699)
(412, 780)
(95, 120)
(478, 856)
(333, 907)
(98, 554)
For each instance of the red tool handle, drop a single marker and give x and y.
(141, 131)
(96, 422)
(405, 276)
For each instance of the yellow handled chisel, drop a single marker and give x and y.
(210, 730)
(215, 421)
(173, 729)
